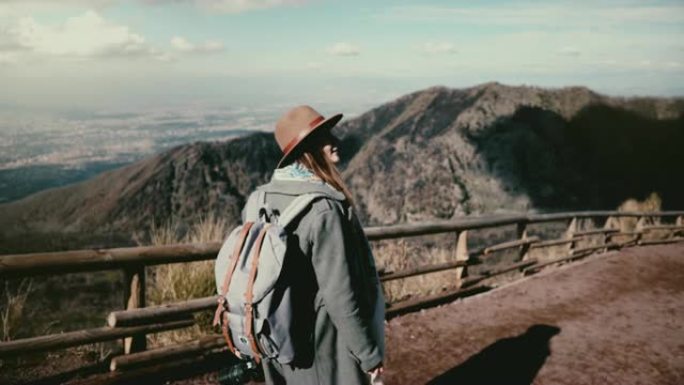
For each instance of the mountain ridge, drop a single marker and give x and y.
(442, 125)
(437, 153)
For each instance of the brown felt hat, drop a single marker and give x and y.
(293, 129)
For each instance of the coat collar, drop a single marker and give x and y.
(296, 187)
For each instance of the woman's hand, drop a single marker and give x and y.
(376, 374)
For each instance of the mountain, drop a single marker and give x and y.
(182, 183)
(443, 153)
(438, 153)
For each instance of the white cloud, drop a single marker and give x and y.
(7, 58)
(183, 45)
(535, 14)
(85, 36)
(232, 6)
(438, 48)
(314, 65)
(52, 3)
(570, 51)
(10, 42)
(343, 49)
(17, 8)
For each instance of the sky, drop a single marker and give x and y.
(136, 54)
(89, 85)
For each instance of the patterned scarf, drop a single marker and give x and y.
(296, 171)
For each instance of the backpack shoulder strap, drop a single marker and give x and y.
(296, 207)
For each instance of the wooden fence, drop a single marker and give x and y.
(137, 320)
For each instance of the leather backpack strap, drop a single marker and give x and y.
(236, 256)
(249, 293)
(226, 284)
(226, 332)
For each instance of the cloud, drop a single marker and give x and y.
(183, 45)
(438, 48)
(24, 7)
(85, 36)
(534, 14)
(49, 3)
(17, 8)
(569, 51)
(231, 6)
(343, 49)
(7, 59)
(10, 41)
(313, 65)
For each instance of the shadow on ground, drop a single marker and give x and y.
(512, 361)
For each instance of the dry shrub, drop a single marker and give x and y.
(548, 253)
(166, 234)
(12, 312)
(586, 224)
(398, 255)
(652, 203)
(181, 281)
(208, 229)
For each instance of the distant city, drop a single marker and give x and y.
(39, 151)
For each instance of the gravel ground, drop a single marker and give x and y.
(616, 318)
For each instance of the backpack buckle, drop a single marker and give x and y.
(269, 215)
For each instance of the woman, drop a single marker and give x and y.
(346, 329)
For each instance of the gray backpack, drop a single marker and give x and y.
(255, 305)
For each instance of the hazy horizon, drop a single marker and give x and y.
(88, 84)
(100, 54)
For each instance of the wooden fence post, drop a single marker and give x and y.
(522, 234)
(134, 297)
(461, 254)
(570, 233)
(641, 222)
(678, 222)
(611, 223)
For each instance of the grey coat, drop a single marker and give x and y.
(344, 336)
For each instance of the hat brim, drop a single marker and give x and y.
(326, 124)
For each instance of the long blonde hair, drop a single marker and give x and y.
(315, 160)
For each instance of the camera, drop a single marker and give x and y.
(240, 373)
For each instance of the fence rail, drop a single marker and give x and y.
(138, 320)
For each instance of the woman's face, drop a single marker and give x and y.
(329, 143)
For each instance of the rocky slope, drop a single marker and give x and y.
(438, 153)
(182, 183)
(443, 153)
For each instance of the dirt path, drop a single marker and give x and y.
(616, 318)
